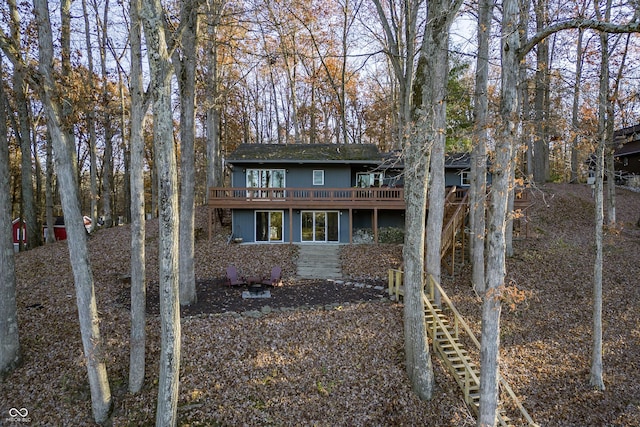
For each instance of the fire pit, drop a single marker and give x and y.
(256, 290)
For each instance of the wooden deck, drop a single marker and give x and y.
(299, 198)
(374, 199)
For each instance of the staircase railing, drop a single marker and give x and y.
(452, 227)
(459, 324)
(459, 320)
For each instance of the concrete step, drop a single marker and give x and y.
(319, 261)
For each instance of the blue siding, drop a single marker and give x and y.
(299, 176)
(453, 177)
(243, 224)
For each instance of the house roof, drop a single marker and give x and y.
(624, 132)
(331, 153)
(628, 148)
(627, 141)
(395, 160)
(305, 153)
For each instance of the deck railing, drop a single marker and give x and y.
(223, 196)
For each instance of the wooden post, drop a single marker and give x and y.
(350, 225)
(290, 225)
(375, 225)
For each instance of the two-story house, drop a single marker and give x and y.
(316, 193)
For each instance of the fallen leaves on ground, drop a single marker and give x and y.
(342, 365)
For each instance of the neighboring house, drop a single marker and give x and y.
(316, 192)
(627, 152)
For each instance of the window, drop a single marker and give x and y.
(318, 177)
(320, 226)
(465, 178)
(266, 178)
(369, 179)
(269, 226)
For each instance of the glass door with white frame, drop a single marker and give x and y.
(320, 226)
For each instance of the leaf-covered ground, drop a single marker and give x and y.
(341, 364)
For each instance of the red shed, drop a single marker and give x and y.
(17, 233)
(58, 229)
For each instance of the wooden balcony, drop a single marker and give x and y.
(307, 198)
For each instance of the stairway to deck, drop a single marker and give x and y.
(319, 261)
(448, 331)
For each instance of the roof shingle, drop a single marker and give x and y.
(305, 153)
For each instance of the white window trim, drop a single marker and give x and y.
(261, 170)
(370, 176)
(318, 173)
(462, 175)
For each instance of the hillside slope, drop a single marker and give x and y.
(341, 365)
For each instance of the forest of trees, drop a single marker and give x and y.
(120, 110)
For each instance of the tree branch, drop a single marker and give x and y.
(605, 27)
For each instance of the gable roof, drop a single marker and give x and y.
(305, 153)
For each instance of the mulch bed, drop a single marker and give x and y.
(216, 297)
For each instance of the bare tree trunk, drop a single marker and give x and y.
(138, 272)
(126, 153)
(76, 234)
(435, 50)
(430, 83)
(478, 190)
(50, 235)
(596, 375)
(346, 25)
(401, 54)
(107, 159)
(9, 338)
(160, 67)
(187, 87)
(496, 269)
(575, 122)
(508, 232)
(214, 160)
(91, 124)
(541, 143)
(20, 89)
(417, 359)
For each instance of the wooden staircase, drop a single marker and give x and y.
(447, 330)
(452, 247)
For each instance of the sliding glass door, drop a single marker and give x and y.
(269, 226)
(320, 226)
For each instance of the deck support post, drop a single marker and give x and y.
(375, 225)
(290, 225)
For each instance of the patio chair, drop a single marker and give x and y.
(276, 277)
(232, 277)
